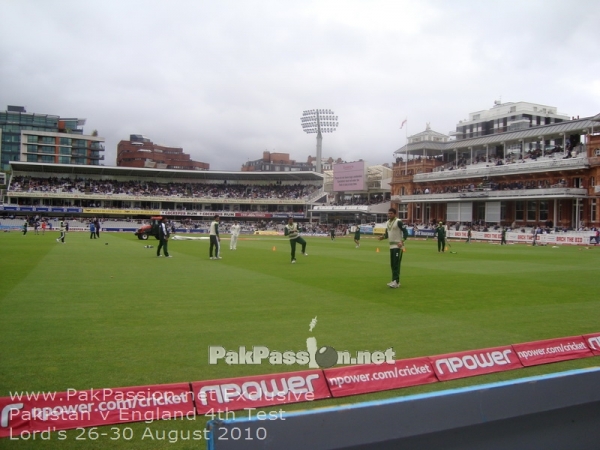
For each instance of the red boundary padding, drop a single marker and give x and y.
(95, 407)
(365, 378)
(234, 394)
(552, 350)
(593, 342)
(474, 362)
(98, 407)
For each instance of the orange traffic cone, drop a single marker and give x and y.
(377, 251)
(274, 248)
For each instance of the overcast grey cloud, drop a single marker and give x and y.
(228, 80)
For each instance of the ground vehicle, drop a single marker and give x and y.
(145, 231)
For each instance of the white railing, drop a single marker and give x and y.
(514, 193)
(516, 168)
(323, 208)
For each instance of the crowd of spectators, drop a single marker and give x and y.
(513, 158)
(493, 186)
(154, 189)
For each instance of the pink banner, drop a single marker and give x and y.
(349, 176)
(593, 342)
(51, 411)
(474, 362)
(360, 379)
(234, 394)
(552, 350)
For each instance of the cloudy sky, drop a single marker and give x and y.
(227, 80)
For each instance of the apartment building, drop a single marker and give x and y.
(44, 138)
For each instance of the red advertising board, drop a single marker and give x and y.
(474, 362)
(552, 350)
(234, 394)
(364, 378)
(52, 411)
(593, 342)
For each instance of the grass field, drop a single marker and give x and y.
(108, 313)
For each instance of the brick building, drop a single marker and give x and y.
(139, 151)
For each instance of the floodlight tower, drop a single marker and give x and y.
(319, 121)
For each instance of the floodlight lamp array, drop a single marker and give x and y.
(315, 120)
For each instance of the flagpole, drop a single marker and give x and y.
(406, 160)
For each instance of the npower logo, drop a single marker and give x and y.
(314, 356)
(7, 412)
(282, 389)
(474, 361)
(594, 343)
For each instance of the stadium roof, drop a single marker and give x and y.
(206, 175)
(546, 131)
(578, 126)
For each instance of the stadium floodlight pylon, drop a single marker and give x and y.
(319, 121)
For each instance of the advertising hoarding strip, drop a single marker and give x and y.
(593, 342)
(55, 411)
(366, 378)
(552, 350)
(233, 394)
(474, 362)
(46, 412)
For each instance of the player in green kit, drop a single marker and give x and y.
(293, 233)
(357, 236)
(440, 231)
(397, 233)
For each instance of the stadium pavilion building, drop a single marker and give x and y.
(64, 190)
(514, 169)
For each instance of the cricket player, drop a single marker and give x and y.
(292, 232)
(397, 233)
(235, 233)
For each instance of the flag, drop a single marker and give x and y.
(402, 126)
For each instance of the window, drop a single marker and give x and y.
(64, 159)
(480, 207)
(531, 211)
(519, 211)
(544, 210)
(403, 211)
(593, 210)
